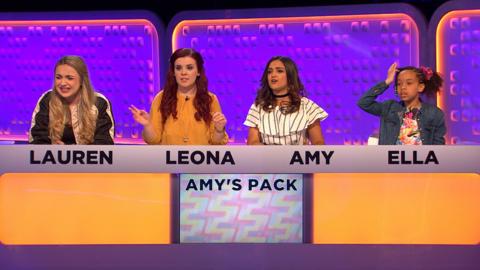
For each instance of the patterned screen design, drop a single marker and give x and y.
(241, 216)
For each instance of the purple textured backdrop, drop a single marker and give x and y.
(459, 60)
(340, 54)
(122, 55)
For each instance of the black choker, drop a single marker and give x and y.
(280, 96)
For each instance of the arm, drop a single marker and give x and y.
(152, 123)
(218, 135)
(367, 101)
(440, 129)
(315, 135)
(105, 128)
(253, 121)
(253, 136)
(40, 121)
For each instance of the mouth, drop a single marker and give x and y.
(64, 89)
(273, 81)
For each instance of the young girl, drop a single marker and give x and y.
(410, 121)
(72, 113)
(184, 112)
(281, 113)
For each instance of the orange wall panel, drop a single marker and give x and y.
(402, 208)
(61, 208)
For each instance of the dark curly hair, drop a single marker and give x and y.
(202, 100)
(296, 89)
(432, 79)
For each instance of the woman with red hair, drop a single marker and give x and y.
(184, 112)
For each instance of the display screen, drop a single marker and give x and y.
(245, 208)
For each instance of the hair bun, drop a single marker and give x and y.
(428, 72)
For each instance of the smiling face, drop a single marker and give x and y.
(67, 82)
(408, 86)
(186, 72)
(277, 77)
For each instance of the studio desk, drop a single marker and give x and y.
(168, 197)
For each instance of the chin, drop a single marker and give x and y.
(274, 88)
(64, 95)
(187, 85)
(406, 99)
(67, 96)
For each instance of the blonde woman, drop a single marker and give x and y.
(72, 112)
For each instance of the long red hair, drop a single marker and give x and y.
(202, 100)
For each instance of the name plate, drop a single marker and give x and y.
(239, 159)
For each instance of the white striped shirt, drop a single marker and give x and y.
(285, 129)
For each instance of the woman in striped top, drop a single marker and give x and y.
(281, 113)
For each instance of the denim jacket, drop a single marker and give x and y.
(430, 120)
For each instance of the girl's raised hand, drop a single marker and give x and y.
(391, 73)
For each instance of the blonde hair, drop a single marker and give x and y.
(59, 113)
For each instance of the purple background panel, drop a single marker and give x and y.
(240, 216)
(456, 26)
(339, 57)
(122, 56)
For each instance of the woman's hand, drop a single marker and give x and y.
(219, 121)
(140, 116)
(391, 73)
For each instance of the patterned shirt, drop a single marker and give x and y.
(276, 127)
(409, 130)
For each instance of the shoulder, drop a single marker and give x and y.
(212, 95)
(101, 100)
(158, 97)
(392, 102)
(308, 103)
(102, 103)
(215, 103)
(433, 109)
(255, 107)
(45, 97)
(312, 110)
(44, 100)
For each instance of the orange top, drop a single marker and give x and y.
(184, 130)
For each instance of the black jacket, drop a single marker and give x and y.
(104, 130)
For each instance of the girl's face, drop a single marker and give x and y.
(67, 82)
(277, 77)
(186, 72)
(408, 86)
